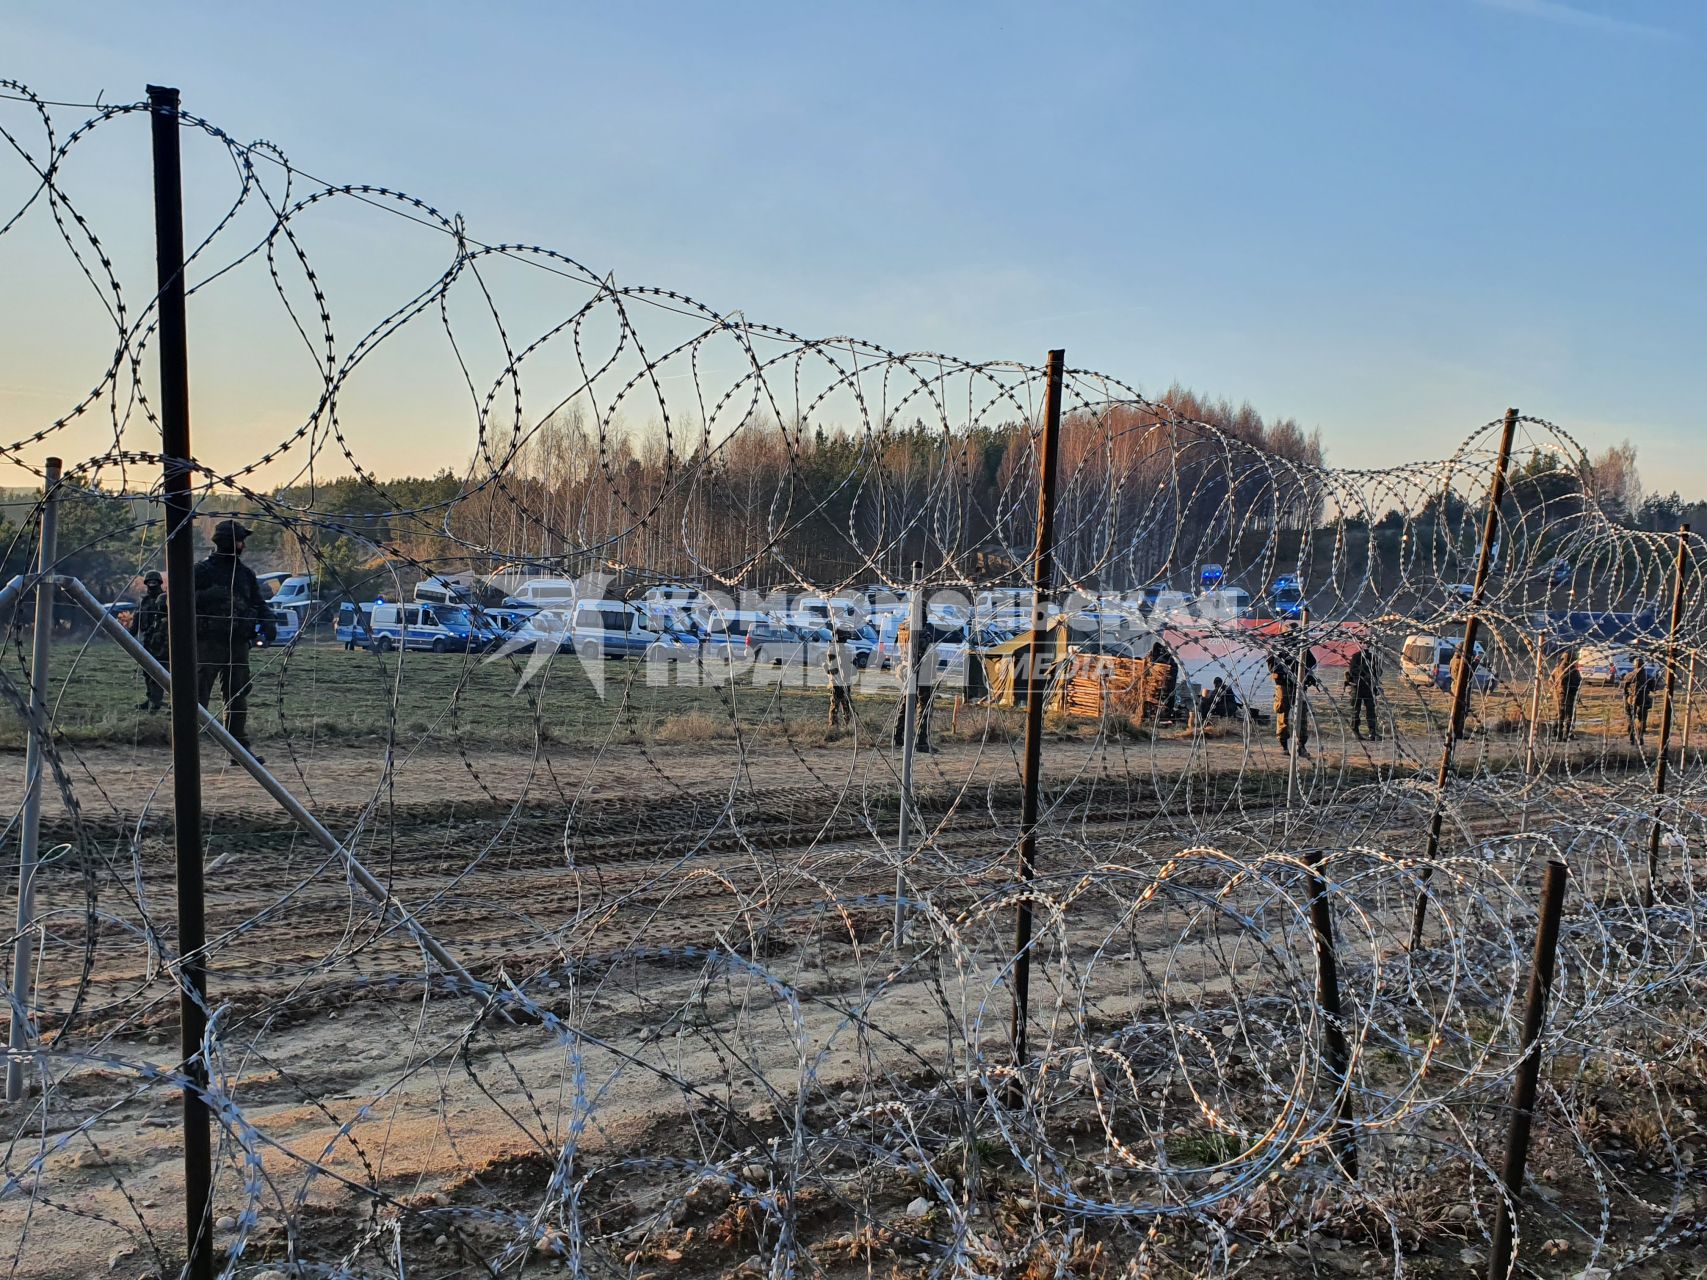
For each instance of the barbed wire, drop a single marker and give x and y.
(694, 1040)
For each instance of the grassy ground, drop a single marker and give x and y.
(325, 692)
(340, 695)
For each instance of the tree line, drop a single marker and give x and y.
(774, 502)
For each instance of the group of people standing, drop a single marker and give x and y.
(1292, 667)
(231, 611)
(1638, 687)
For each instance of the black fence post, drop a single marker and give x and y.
(1528, 1081)
(1463, 669)
(1042, 578)
(18, 1038)
(1335, 1050)
(181, 640)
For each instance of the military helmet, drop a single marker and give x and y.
(227, 532)
(152, 578)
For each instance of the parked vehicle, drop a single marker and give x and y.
(287, 626)
(508, 619)
(1222, 604)
(1286, 597)
(861, 644)
(667, 615)
(510, 577)
(294, 589)
(822, 611)
(781, 646)
(1003, 607)
(673, 595)
(939, 627)
(1427, 660)
(609, 629)
(539, 629)
(737, 633)
(1605, 663)
(544, 592)
(443, 590)
(440, 628)
(1164, 600)
(874, 595)
(1102, 623)
(491, 630)
(346, 628)
(1565, 626)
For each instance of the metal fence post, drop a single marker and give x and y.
(181, 638)
(909, 733)
(1042, 582)
(1296, 726)
(1463, 670)
(1525, 1086)
(1336, 1053)
(29, 837)
(1688, 716)
(1663, 761)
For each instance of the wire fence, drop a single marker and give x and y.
(624, 795)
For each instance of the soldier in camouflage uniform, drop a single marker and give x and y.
(1567, 684)
(1291, 677)
(148, 625)
(837, 676)
(230, 609)
(1363, 678)
(1638, 702)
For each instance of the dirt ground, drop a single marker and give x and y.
(705, 924)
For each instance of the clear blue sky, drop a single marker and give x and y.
(1388, 220)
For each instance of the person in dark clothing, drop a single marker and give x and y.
(148, 625)
(1218, 702)
(836, 674)
(1292, 673)
(1567, 683)
(1166, 681)
(230, 609)
(1363, 678)
(1638, 702)
(927, 686)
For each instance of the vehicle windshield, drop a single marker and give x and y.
(671, 620)
(451, 615)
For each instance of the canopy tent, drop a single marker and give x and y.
(1009, 667)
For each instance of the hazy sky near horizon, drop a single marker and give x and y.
(1388, 221)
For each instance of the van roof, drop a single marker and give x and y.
(741, 615)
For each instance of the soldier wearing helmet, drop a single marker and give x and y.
(148, 624)
(230, 610)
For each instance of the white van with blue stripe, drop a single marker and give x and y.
(439, 628)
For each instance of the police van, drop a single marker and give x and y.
(1427, 660)
(287, 626)
(440, 628)
(609, 629)
(354, 623)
